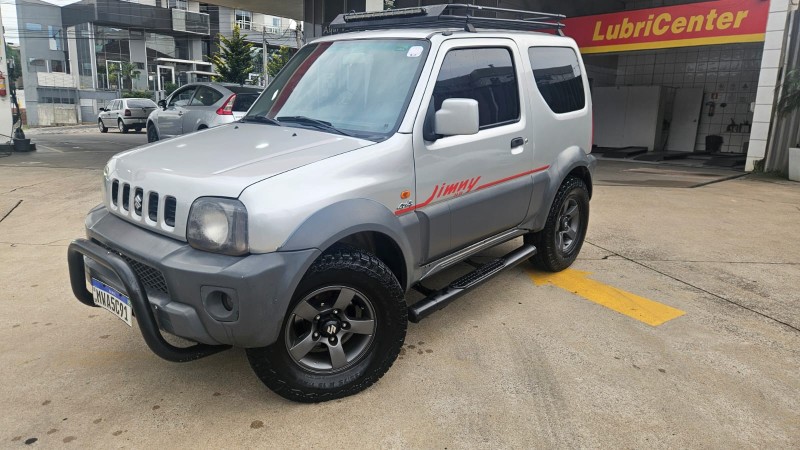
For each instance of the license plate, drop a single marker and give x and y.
(112, 300)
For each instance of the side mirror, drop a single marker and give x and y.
(102, 110)
(457, 116)
(162, 104)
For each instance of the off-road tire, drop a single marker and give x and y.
(152, 133)
(101, 126)
(364, 272)
(549, 256)
(121, 126)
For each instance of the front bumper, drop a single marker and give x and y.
(181, 285)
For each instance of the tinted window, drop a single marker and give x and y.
(182, 97)
(141, 103)
(206, 96)
(483, 74)
(558, 77)
(243, 102)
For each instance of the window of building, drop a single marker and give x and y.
(558, 77)
(276, 22)
(57, 66)
(244, 19)
(54, 37)
(483, 74)
(179, 4)
(33, 27)
(112, 46)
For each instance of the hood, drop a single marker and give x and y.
(223, 161)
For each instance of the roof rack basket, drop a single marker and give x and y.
(461, 16)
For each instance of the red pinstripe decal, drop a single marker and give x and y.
(421, 205)
(483, 186)
(495, 183)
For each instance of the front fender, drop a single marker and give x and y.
(335, 222)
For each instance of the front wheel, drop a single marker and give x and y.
(102, 127)
(559, 243)
(343, 330)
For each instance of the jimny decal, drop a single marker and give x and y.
(457, 188)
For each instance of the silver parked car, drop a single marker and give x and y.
(200, 105)
(124, 114)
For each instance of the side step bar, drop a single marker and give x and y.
(441, 298)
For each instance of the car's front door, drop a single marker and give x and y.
(170, 120)
(472, 187)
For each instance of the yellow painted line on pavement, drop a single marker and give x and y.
(623, 302)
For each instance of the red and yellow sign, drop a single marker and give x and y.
(706, 23)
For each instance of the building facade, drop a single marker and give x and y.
(78, 57)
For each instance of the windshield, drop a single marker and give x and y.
(360, 87)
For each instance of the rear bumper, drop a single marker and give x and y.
(182, 285)
(134, 121)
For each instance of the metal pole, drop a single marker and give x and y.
(263, 56)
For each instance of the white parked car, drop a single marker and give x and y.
(124, 114)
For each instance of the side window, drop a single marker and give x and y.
(115, 105)
(483, 74)
(182, 97)
(558, 76)
(205, 96)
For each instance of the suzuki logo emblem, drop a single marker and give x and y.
(137, 202)
(331, 329)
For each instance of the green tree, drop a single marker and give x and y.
(279, 59)
(125, 71)
(234, 60)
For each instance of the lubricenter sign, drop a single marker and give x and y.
(706, 23)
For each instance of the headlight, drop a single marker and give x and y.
(218, 225)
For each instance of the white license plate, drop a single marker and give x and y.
(112, 300)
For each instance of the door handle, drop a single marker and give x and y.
(517, 141)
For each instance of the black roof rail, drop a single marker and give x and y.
(454, 15)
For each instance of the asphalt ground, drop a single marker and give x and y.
(525, 361)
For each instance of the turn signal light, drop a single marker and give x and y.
(227, 108)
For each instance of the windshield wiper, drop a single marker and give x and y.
(320, 124)
(261, 119)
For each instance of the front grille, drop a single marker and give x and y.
(142, 203)
(151, 278)
(169, 211)
(152, 207)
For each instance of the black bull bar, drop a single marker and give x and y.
(139, 301)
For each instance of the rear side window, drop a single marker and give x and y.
(483, 74)
(243, 102)
(558, 77)
(206, 96)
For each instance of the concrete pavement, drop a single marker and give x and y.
(510, 365)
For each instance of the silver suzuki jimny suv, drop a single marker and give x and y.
(399, 146)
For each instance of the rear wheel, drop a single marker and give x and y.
(152, 133)
(121, 126)
(559, 243)
(102, 127)
(344, 329)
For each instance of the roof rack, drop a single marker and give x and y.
(447, 16)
